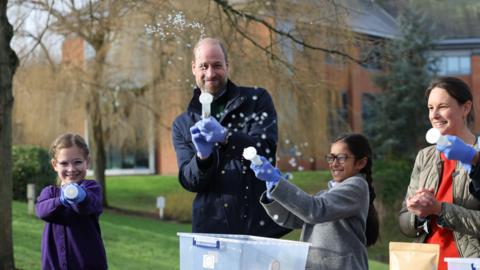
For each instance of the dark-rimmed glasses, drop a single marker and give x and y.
(77, 164)
(341, 158)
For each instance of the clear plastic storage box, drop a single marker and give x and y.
(463, 264)
(240, 252)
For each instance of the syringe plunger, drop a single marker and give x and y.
(206, 99)
(435, 137)
(71, 192)
(250, 153)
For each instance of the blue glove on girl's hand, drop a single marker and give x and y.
(212, 130)
(80, 196)
(271, 184)
(266, 172)
(63, 199)
(204, 148)
(458, 150)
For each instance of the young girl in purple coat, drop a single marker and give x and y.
(71, 238)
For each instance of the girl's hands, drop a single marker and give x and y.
(424, 203)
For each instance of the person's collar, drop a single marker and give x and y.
(331, 184)
(223, 92)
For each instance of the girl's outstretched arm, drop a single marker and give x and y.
(92, 204)
(49, 205)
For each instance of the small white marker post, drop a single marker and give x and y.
(250, 153)
(161, 205)
(31, 198)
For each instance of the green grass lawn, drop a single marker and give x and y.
(140, 192)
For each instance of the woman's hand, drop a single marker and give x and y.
(424, 203)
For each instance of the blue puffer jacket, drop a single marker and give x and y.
(228, 193)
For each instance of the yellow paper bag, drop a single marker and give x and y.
(410, 256)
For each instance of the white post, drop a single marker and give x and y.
(31, 198)
(161, 205)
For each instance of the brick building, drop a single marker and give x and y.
(460, 57)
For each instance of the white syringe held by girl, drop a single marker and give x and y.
(250, 153)
(206, 99)
(71, 192)
(435, 137)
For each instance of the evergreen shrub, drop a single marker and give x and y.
(31, 165)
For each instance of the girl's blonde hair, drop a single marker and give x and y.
(68, 140)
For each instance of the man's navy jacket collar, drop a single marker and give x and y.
(196, 107)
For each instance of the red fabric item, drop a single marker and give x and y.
(439, 235)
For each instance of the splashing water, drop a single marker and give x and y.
(179, 25)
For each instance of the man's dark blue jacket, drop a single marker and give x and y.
(228, 193)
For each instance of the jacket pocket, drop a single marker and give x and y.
(341, 262)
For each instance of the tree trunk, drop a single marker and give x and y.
(8, 64)
(95, 128)
(95, 118)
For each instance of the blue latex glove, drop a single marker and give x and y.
(458, 150)
(80, 196)
(204, 148)
(271, 184)
(63, 199)
(266, 172)
(212, 130)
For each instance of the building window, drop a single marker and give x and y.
(455, 65)
(372, 58)
(338, 119)
(285, 43)
(334, 59)
(136, 158)
(368, 114)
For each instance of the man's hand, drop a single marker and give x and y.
(424, 203)
(204, 148)
(212, 130)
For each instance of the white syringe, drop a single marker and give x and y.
(206, 99)
(435, 137)
(71, 192)
(250, 153)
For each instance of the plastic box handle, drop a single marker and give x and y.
(207, 247)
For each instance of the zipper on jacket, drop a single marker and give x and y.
(226, 107)
(231, 103)
(453, 196)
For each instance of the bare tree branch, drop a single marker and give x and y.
(229, 9)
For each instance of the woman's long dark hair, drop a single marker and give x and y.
(360, 147)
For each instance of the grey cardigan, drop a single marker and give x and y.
(334, 221)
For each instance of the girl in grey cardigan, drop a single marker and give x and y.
(339, 222)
